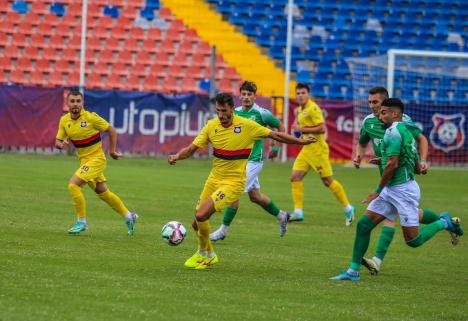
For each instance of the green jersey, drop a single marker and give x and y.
(398, 141)
(263, 117)
(372, 130)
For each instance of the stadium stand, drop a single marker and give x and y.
(41, 46)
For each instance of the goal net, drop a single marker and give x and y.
(434, 88)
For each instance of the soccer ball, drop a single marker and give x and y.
(173, 233)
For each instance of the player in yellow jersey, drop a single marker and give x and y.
(232, 138)
(310, 122)
(83, 129)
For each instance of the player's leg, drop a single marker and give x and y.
(100, 188)
(427, 216)
(229, 214)
(321, 164)
(416, 236)
(79, 203)
(299, 171)
(385, 239)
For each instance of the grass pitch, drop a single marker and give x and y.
(103, 274)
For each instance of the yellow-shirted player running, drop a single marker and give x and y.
(83, 129)
(310, 121)
(232, 138)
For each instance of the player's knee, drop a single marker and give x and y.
(194, 225)
(364, 225)
(200, 217)
(254, 197)
(73, 188)
(415, 242)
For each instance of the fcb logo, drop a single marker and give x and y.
(83, 124)
(237, 129)
(448, 133)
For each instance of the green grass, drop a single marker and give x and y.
(46, 274)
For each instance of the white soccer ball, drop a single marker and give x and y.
(173, 233)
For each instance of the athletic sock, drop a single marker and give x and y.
(426, 232)
(361, 242)
(229, 214)
(385, 239)
(272, 208)
(78, 200)
(297, 191)
(339, 192)
(114, 202)
(204, 235)
(429, 216)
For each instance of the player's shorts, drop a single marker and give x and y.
(222, 192)
(320, 163)
(253, 169)
(92, 169)
(402, 199)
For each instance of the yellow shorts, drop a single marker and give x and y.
(320, 163)
(222, 193)
(92, 169)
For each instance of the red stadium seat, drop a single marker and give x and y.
(135, 83)
(155, 33)
(143, 57)
(190, 85)
(165, 13)
(39, 7)
(168, 46)
(120, 69)
(6, 64)
(125, 57)
(63, 66)
(31, 53)
(132, 45)
(56, 79)
(37, 40)
(152, 84)
(75, 42)
(37, 78)
(150, 45)
(3, 40)
(19, 40)
(50, 53)
(101, 68)
(24, 64)
(157, 70)
(176, 71)
(106, 56)
(93, 43)
(194, 72)
(57, 41)
(119, 33)
(93, 80)
(139, 69)
(71, 55)
(11, 52)
(113, 81)
(7, 27)
(137, 33)
(74, 79)
(17, 76)
(170, 85)
(43, 65)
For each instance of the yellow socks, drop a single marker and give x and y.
(339, 192)
(297, 190)
(114, 201)
(78, 200)
(203, 236)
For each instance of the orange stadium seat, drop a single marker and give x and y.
(74, 79)
(4, 40)
(135, 83)
(15, 17)
(37, 77)
(125, 57)
(6, 64)
(57, 41)
(132, 45)
(31, 53)
(43, 65)
(139, 69)
(93, 80)
(56, 79)
(165, 13)
(7, 27)
(39, 7)
(119, 33)
(137, 33)
(113, 44)
(194, 72)
(93, 43)
(26, 27)
(113, 81)
(157, 70)
(37, 40)
(150, 45)
(50, 53)
(63, 66)
(120, 68)
(106, 56)
(24, 64)
(152, 83)
(190, 84)
(71, 55)
(168, 46)
(19, 40)
(101, 68)
(75, 42)
(144, 58)
(176, 71)
(155, 33)
(11, 52)
(17, 76)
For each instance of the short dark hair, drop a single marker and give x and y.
(379, 90)
(302, 85)
(394, 103)
(248, 86)
(75, 92)
(224, 98)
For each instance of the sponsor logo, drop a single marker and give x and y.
(447, 133)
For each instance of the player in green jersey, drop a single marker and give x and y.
(264, 117)
(373, 130)
(397, 193)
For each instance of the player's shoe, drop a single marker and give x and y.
(219, 234)
(283, 219)
(207, 262)
(453, 224)
(78, 228)
(296, 217)
(194, 260)
(349, 215)
(131, 224)
(345, 276)
(371, 265)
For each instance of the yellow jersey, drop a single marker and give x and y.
(84, 133)
(311, 115)
(231, 146)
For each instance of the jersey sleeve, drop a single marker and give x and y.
(363, 136)
(270, 119)
(61, 134)
(202, 138)
(392, 141)
(257, 131)
(99, 123)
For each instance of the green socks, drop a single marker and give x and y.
(272, 208)
(429, 216)
(426, 233)
(229, 214)
(361, 242)
(385, 238)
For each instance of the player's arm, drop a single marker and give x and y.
(184, 153)
(61, 144)
(388, 172)
(61, 140)
(317, 129)
(423, 147)
(288, 139)
(360, 153)
(275, 144)
(113, 143)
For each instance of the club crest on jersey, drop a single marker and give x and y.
(447, 133)
(237, 129)
(83, 124)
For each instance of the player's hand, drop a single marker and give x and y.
(371, 197)
(115, 155)
(357, 161)
(308, 140)
(172, 159)
(61, 144)
(273, 154)
(375, 161)
(423, 168)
